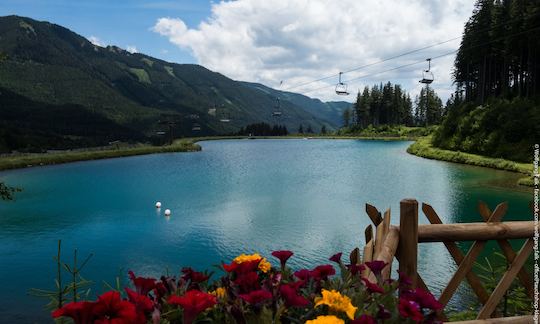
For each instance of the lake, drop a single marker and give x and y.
(236, 196)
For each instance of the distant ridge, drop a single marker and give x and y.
(58, 90)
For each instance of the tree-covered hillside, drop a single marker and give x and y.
(58, 90)
(495, 110)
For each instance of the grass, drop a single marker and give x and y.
(36, 159)
(423, 148)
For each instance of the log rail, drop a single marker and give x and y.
(401, 242)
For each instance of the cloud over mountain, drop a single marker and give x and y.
(299, 41)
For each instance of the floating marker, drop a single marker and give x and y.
(158, 204)
(167, 212)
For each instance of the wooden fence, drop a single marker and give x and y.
(401, 242)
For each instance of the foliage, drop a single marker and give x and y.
(382, 105)
(397, 131)
(428, 108)
(499, 51)
(424, 148)
(495, 109)
(253, 291)
(500, 128)
(7, 192)
(263, 129)
(514, 303)
(74, 291)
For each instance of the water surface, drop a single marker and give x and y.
(236, 196)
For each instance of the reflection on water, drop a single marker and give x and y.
(234, 197)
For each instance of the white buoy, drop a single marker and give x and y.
(158, 204)
(167, 212)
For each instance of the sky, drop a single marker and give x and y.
(287, 45)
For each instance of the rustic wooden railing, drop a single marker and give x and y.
(401, 242)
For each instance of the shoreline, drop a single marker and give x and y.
(423, 148)
(27, 160)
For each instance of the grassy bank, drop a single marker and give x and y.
(35, 159)
(423, 148)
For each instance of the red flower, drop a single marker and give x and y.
(336, 258)
(160, 290)
(371, 287)
(283, 256)
(303, 274)
(80, 312)
(256, 297)
(410, 309)
(323, 271)
(425, 299)
(292, 299)
(193, 276)
(142, 303)
(110, 308)
(243, 267)
(376, 266)
(248, 281)
(364, 319)
(193, 302)
(142, 285)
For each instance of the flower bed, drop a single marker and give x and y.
(252, 291)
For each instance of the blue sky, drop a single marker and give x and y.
(116, 22)
(294, 41)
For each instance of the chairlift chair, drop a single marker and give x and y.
(277, 109)
(341, 88)
(427, 75)
(196, 127)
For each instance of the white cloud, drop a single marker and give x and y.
(299, 41)
(132, 49)
(96, 41)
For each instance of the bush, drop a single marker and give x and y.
(501, 128)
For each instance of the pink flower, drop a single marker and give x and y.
(372, 288)
(376, 266)
(410, 309)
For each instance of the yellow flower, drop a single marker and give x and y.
(264, 265)
(336, 302)
(328, 319)
(219, 292)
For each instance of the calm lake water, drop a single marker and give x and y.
(236, 196)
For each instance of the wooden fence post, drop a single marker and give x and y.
(408, 239)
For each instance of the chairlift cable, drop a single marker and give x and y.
(401, 55)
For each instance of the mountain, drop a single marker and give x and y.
(58, 90)
(331, 111)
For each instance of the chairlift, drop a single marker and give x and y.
(277, 108)
(427, 75)
(341, 88)
(196, 127)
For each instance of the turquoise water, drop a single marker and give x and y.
(235, 196)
